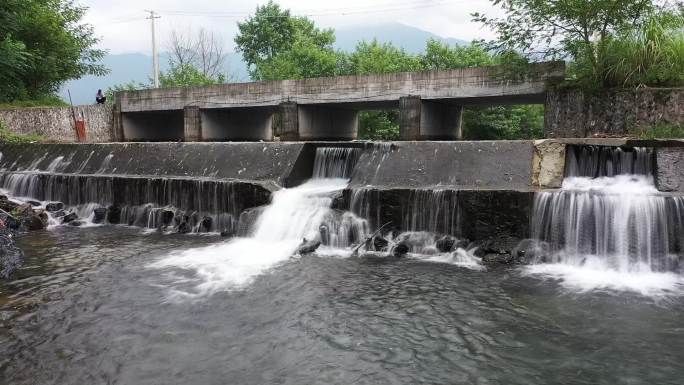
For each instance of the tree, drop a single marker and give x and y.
(374, 58)
(563, 29)
(43, 43)
(203, 51)
(303, 60)
(272, 31)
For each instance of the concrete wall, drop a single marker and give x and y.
(489, 165)
(573, 114)
(57, 123)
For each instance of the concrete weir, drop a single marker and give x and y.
(476, 190)
(430, 105)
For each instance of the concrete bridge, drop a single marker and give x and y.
(430, 105)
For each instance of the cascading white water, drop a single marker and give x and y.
(294, 214)
(615, 231)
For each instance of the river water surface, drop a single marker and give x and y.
(90, 307)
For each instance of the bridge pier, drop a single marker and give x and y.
(429, 119)
(192, 124)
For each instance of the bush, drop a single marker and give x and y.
(7, 136)
(651, 55)
(45, 101)
(663, 131)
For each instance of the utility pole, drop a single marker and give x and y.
(155, 59)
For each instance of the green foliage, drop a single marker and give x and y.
(303, 60)
(379, 125)
(45, 101)
(439, 55)
(651, 54)
(43, 44)
(510, 122)
(272, 31)
(609, 43)
(376, 58)
(663, 131)
(561, 28)
(187, 75)
(7, 136)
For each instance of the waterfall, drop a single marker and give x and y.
(294, 214)
(608, 225)
(335, 162)
(430, 210)
(600, 161)
(204, 204)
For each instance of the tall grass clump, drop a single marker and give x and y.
(650, 54)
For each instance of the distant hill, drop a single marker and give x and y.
(136, 67)
(409, 38)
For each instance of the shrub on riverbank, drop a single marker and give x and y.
(7, 136)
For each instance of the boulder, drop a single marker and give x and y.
(166, 217)
(6, 204)
(494, 258)
(33, 223)
(445, 244)
(184, 228)
(34, 203)
(379, 243)
(114, 214)
(69, 217)
(400, 249)
(307, 247)
(54, 206)
(205, 224)
(59, 214)
(227, 233)
(99, 215)
(76, 223)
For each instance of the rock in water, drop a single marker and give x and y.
(205, 224)
(167, 217)
(114, 214)
(400, 249)
(54, 206)
(69, 217)
(307, 247)
(33, 223)
(99, 215)
(379, 243)
(184, 228)
(11, 257)
(445, 244)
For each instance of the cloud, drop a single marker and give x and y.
(122, 26)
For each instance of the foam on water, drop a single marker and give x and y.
(599, 277)
(294, 214)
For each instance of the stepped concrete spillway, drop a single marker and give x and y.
(476, 190)
(430, 105)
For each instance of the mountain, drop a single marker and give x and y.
(137, 67)
(409, 38)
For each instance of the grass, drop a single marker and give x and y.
(45, 101)
(7, 136)
(663, 131)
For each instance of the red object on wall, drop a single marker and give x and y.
(80, 130)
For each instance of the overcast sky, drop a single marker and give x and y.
(122, 27)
